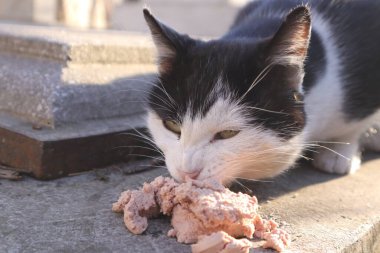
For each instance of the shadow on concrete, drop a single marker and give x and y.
(120, 97)
(303, 175)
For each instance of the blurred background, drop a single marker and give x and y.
(196, 17)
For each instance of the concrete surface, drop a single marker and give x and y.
(66, 76)
(324, 213)
(28, 10)
(72, 131)
(77, 46)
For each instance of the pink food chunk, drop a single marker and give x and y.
(200, 210)
(139, 205)
(203, 209)
(275, 237)
(221, 242)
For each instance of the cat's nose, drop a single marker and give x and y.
(191, 175)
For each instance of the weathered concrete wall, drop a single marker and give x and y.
(21, 10)
(198, 18)
(72, 13)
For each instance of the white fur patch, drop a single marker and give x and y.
(254, 153)
(324, 110)
(323, 105)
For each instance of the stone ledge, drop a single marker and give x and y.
(324, 213)
(66, 95)
(77, 46)
(47, 153)
(67, 76)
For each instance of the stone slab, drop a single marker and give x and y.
(49, 153)
(324, 213)
(46, 92)
(78, 46)
(65, 76)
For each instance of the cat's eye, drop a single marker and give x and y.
(298, 97)
(172, 126)
(227, 134)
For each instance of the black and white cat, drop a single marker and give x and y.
(284, 78)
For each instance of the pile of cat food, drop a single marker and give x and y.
(204, 213)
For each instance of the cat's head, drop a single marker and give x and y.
(229, 108)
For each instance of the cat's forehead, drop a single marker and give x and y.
(189, 94)
(223, 114)
(209, 72)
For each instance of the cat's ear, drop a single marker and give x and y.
(290, 44)
(169, 43)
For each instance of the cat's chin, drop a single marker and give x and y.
(216, 178)
(224, 181)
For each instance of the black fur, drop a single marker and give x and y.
(356, 27)
(240, 56)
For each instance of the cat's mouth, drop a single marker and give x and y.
(215, 177)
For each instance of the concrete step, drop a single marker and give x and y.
(49, 153)
(324, 213)
(59, 86)
(70, 76)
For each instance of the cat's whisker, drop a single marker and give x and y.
(265, 110)
(142, 138)
(258, 79)
(254, 180)
(163, 100)
(330, 142)
(310, 150)
(305, 157)
(159, 86)
(329, 149)
(335, 152)
(263, 154)
(149, 144)
(148, 156)
(142, 147)
(242, 185)
(265, 160)
(144, 102)
(165, 91)
(139, 134)
(236, 171)
(247, 179)
(149, 93)
(153, 166)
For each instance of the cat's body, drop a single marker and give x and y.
(250, 81)
(342, 81)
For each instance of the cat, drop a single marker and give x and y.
(288, 76)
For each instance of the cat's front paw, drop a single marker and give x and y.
(345, 160)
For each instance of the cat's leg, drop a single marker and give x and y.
(343, 154)
(371, 139)
(346, 158)
(342, 157)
